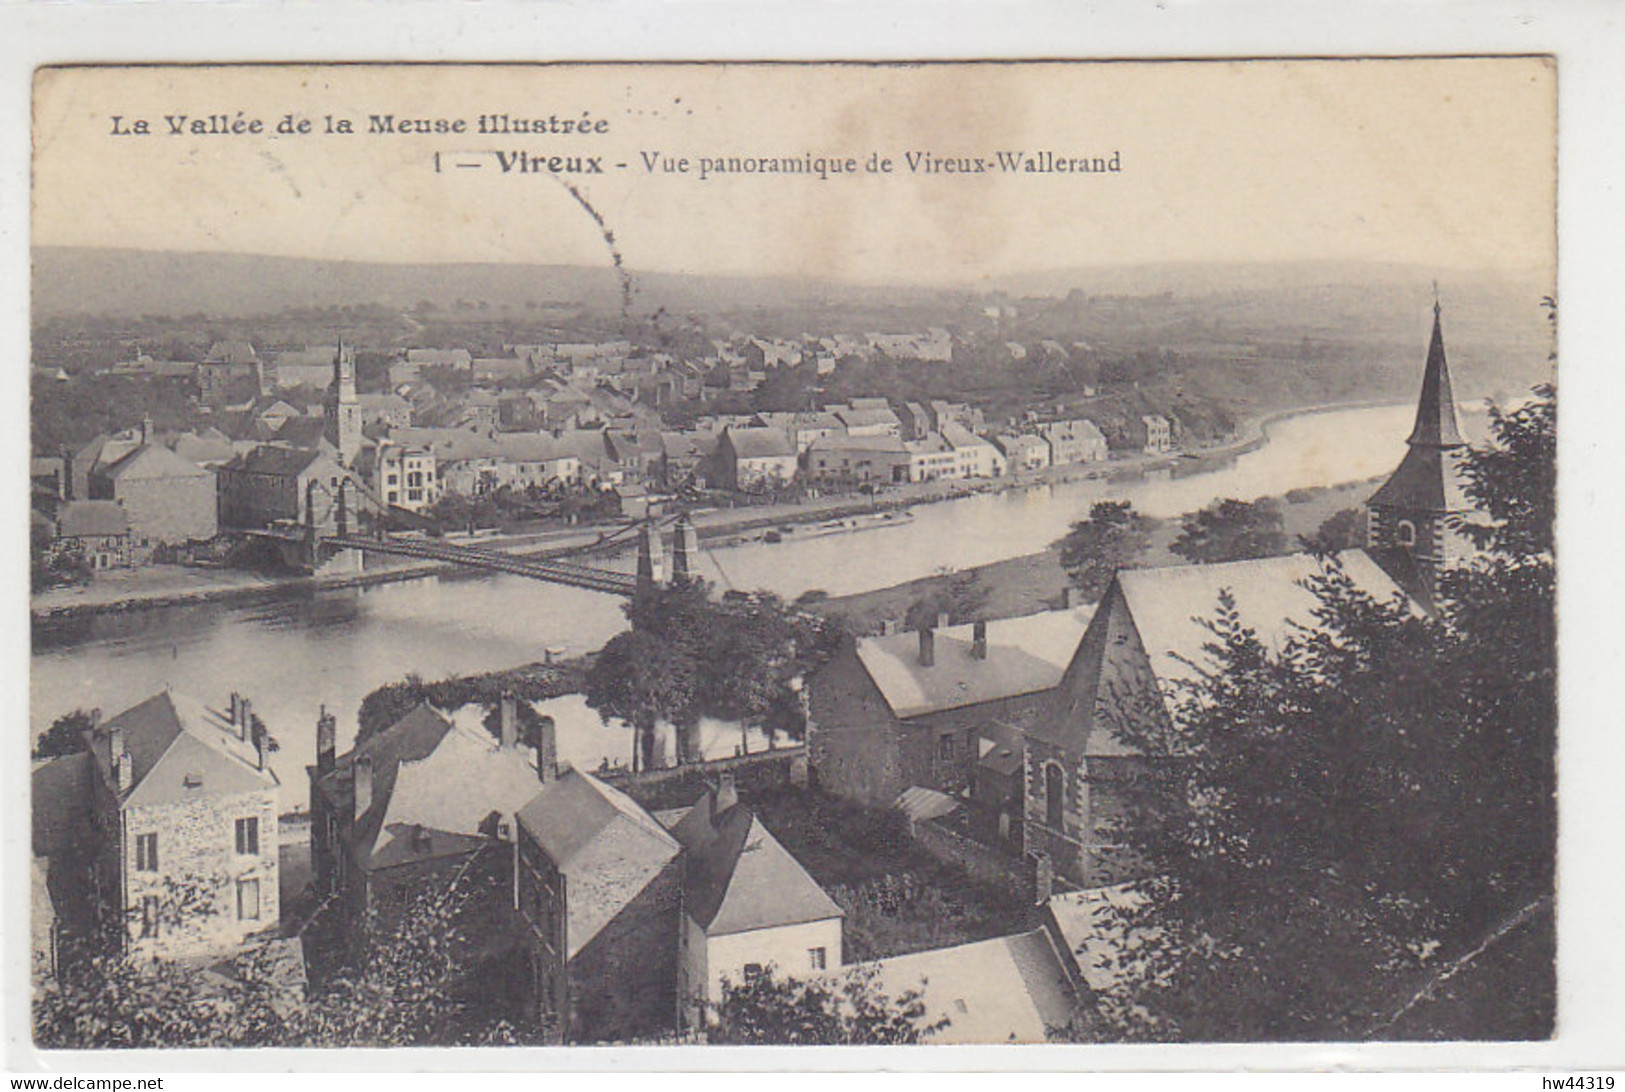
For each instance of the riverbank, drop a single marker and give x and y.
(1036, 582)
(165, 586)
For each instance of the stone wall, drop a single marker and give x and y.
(623, 983)
(989, 864)
(196, 884)
(172, 511)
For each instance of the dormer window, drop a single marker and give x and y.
(192, 781)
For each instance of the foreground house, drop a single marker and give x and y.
(909, 709)
(599, 883)
(185, 812)
(1144, 641)
(412, 803)
(748, 905)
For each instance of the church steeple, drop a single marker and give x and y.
(1413, 521)
(1436, 423)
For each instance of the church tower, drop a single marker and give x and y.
(1412, 524)
(343, 408)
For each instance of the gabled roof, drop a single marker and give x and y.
(738, 877)
(1024, 656)
(275, 460)
(530, 447)
(179, 750)
(760, 443)
(412, 738)
(607, 846)
(79, 519)
(231, 352)
(1010, 989)
(449, 445)
(450, 792)
(153, 461)
(1162, 610)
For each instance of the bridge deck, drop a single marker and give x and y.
(553, 572)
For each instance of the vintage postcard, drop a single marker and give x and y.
(786, 554)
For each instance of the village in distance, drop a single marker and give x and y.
(1247, 767)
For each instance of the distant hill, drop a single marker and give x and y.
(85, 280)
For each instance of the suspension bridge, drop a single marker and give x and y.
(326, 532)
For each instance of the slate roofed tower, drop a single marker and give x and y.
(1412, 525)
(343, 407)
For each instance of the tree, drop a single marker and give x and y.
(1342, 530)
(1327, 822)
(1232, 530)
(1113, 537)
(961, 596)
(65, 736)
(849, 1010)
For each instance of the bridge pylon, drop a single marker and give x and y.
(685, 550)
(651, 557)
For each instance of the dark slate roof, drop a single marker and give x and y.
(1436, 423)
(1428, 479)
(59, 794)
(179, 750)
(603, 841)
(275, 460)
(78, 519)
(738, 877)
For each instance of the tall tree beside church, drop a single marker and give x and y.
(1113, 536)
(1330, 823)
(1232, 530)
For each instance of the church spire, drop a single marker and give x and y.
(1436, 423)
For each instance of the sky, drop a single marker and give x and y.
(1445, 163)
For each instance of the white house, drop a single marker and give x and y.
(748, 905)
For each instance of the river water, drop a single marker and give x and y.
(310, 648)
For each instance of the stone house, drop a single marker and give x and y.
(1024, 453)
(1159, 434)
(166, 499)
(1076, 440)
(906, 709)
(1144, 639)
(98, 531)
(536, 458)
(185, 816)
(859, 459)
(748, 905)
(974, 457)
(599, 884)
(272, 484)
(755, 459)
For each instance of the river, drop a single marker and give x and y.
(313, 647)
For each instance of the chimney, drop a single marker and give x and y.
(123, 770)
(236, 713)
(146, 428)
(928, 646)
(326, 742)
(510, 720)
(727, 795)
(246, 708)
(547, 751)
(362, 774)
(978, 641)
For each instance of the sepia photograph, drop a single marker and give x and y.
(793, 554)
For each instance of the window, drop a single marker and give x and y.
(248, 900)
(149, 915)
(1054, 796)
(816, 958)
(945, 748)
(1406, 533)
(248, 837)
(146, 852)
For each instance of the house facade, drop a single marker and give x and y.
(748, 905)
(272, 484)
(755, 459)
(907, 709)
(184, 811)
(598, 882)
